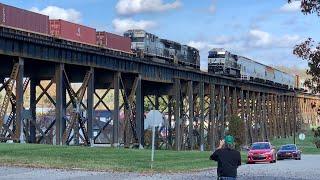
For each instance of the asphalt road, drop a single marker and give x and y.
(307, 168)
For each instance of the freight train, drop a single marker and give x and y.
(225, 63)
(163, 50)
(144, 45)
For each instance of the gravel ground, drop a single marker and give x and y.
(307, 168)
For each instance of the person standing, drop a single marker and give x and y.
(228, 159)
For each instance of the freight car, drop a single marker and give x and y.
(225, 63)
(255, 71)
(23, 19)
(161, 50)
(145, 45)
(113, 41)
(72, 31)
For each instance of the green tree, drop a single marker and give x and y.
(316, 135)
(236, 129)
(309, 50)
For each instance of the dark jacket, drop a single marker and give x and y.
(228, 162)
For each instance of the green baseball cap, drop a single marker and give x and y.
(229, 139)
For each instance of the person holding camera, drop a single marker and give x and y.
(228, 159)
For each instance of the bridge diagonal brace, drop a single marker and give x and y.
(44, 134)
(129, 106)
(75, 118)
(9, 92)
(100, 99)
(101, 129)
(45, 92)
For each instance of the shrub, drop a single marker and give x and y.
(236, 129)
(316, 135)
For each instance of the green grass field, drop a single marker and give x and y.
(103, 159)
(307, 146)
(119, 159)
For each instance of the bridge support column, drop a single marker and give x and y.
(212, 110)
(254, 115)
(291, 114)
(90, 107)
(295, 113)
(227, 107)
(170, 128)
(191, 113)
(282, 116)
(201, 116)
(140, 112)
(276, 118)
(279, 116)
(19, 100)
(59, 102)
(242, 115)
(249, 117)
(33, 104)
(258, 120)
(286, 115)
(115, 130)
(264, 118)
(269, 116)
(273, 115)
(177, 100)
(221, 112)
(234, 102)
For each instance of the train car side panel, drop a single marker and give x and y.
(72, 31)
(23, 19)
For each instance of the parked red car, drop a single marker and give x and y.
(262, 152)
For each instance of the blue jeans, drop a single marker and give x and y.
(227, 178)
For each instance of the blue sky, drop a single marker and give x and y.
(265, 31)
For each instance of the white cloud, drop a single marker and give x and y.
(291, 7)
(129, 7)
(200, 45)
(212, 7)
(55, 12)
(122, 25)
(255, 40)
(259, 38)
(289, 40)
(224, 39)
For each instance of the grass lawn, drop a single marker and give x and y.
(103, 159)
(307, 146)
